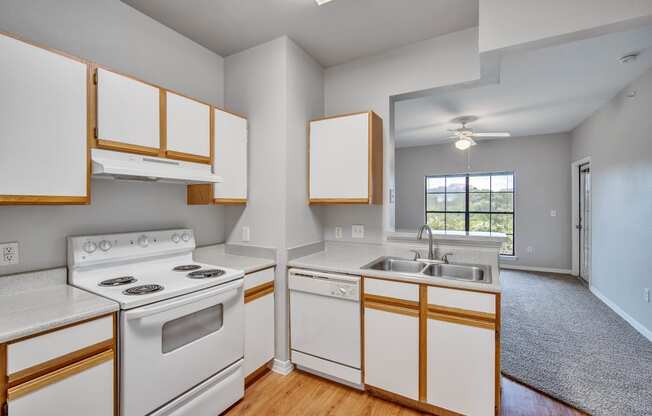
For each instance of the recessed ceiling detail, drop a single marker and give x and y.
(333, 33)
(543, 91)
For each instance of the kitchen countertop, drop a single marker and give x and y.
(349, 258)
(35, 302)
(215, 255)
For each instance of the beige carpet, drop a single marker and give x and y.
(560, 339)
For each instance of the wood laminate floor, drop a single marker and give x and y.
(302, 394)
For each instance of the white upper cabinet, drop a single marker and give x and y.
(43, 126)
(188, 129)
(128, 114)
(230, 160)
(346, 159)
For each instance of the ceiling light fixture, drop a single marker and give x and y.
(322, 2)
(464, 143)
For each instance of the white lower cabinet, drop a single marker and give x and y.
(259, 333)
(461, 368)
(391, 342)
(87, 391)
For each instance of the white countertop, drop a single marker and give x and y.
(349, 258)
(215, 255)
(35, 302)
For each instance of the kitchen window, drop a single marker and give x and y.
(472, 202)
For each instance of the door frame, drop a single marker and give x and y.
(575, 208)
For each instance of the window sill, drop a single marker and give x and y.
(508, 258)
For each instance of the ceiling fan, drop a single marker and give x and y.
(465, 135)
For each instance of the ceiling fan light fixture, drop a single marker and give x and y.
(463, 143)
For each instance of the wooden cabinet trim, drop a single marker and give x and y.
(463, 313)
(125, 147)
(163, 122)
(258, 291)
(57, 363)
(230, 201)
(187, 157)
(3, 375)
(339, 201)
(58, 375)
(43, 200)
(404, 401)
(339, 116)
(461, 320)
(423, 343)
(386, 300)
(392, 308)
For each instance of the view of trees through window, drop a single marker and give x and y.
(472, 202)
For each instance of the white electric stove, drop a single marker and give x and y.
(181, 334)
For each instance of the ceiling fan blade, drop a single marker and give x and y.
(499, 134)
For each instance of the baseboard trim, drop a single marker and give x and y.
(633, 322)
(535, 269)
(282, 367)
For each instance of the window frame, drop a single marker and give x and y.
(467, 212)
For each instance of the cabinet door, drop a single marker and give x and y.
(81, 389)
(461, 363)
(128, 114)
(259, 333)
(230, 160)
(188, 129)
(391, 342)
(43, 129)
(339, 159)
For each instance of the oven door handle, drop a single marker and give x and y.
(153, 310)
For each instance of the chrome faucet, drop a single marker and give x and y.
(431, 252)
(444, 258)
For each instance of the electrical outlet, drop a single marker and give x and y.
(553, 213)
(338, 232)
(530, 250)
(646, 294)
(246, 234)
(357, 231)
(9, 254)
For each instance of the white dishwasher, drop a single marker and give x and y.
(325, 325)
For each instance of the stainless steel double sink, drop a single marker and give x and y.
(431, 268)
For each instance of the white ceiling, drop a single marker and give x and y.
(549, 90)
(336, 32)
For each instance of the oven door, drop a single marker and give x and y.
(169, 347)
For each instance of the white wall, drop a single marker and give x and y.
(368, 83)
(305, 101)
(112, 34)
(617, 138)
(255, 85)
(541, 166)
(279, 88)
(511, 23)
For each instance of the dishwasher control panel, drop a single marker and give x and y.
(344, 290)
(340, 286)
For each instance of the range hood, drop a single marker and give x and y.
(125, 166)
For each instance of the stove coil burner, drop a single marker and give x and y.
(187, 267)
(206, 274)
(143, 289)
(118, 281)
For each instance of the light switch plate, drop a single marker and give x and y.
(357, 231)
(9, 254)
(246, 234)
(338, 232)
(553, 213)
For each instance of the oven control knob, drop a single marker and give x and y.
(143, 241)
(105, 245)
(89, 247)
(175, 238)
(185, 237)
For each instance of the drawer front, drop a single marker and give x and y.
(84, 388)
(462, 299)
(39, 349)
(258, 278)
(386, 288)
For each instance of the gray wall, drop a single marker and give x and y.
(619, 142)
(541, 166)
(368, 83)
(112, 34)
